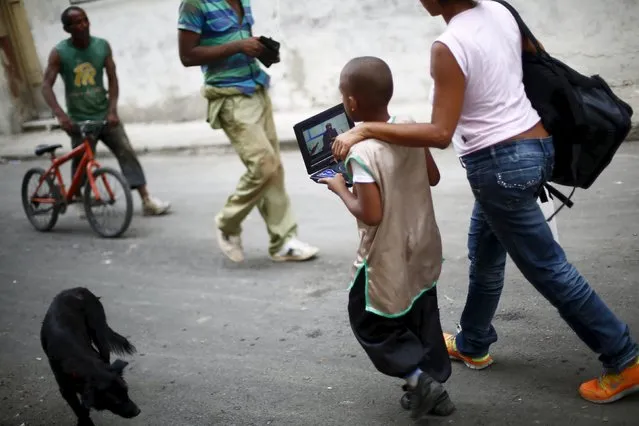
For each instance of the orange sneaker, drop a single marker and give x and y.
(612, 387)
(473, 363)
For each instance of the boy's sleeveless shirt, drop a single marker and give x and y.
(402, 256)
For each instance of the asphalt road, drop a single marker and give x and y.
(269, 344)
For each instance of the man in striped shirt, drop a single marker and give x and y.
(216, 35)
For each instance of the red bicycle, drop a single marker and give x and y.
(44, 195)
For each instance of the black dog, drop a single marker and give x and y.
(74, 321)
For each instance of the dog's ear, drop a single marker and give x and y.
(118, 366)
(88, 396)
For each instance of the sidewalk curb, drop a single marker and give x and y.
(286, 145)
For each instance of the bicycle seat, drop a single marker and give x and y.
(43, 149)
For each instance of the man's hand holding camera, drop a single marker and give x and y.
(251, 47)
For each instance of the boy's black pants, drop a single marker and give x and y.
(398, 346)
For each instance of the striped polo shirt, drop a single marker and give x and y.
(217, 23)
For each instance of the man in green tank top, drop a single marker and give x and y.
(81, 61)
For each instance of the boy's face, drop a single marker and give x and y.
(350, 104)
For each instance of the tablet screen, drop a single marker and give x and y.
(319, 138)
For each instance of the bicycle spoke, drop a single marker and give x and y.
(107, 211)
(40, 199)
(43, 212)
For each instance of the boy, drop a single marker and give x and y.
(393, 301)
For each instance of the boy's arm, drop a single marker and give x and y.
(366, 205)
(431, 166)
(365, 202)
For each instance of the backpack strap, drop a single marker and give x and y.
(565, 201)
(523, 28)
(580, 119)
(561, 197)
(525, 32)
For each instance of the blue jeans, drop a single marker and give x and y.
(506, 218)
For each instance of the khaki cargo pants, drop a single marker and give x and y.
(248, 123)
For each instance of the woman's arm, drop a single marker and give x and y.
(447, 105)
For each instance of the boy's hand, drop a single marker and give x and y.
(336, 184)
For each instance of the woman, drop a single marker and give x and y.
(545, 200)
(508, 154)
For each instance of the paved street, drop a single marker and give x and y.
(269, 344)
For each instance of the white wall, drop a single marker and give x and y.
(319, 37)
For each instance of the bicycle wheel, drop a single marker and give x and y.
(42, 215)
(104, 216)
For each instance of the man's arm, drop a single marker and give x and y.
(50, 76)
(192, 54)
(447, 106)
(114, 87)
(190, 23)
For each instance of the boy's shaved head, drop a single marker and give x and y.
(369, 80)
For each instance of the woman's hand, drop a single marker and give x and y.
(343, 143)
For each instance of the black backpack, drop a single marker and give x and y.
(587, 120)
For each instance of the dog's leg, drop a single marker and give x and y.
(81, 412)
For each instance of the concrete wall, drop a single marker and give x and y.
(6, 108)
(319, 37)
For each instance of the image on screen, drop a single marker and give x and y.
(319, 138)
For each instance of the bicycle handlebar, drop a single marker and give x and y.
(90, 122)
(84, 127)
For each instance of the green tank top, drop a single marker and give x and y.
(82, 71)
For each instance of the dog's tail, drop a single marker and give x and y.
(119, 344)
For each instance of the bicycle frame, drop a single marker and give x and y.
(87, 164)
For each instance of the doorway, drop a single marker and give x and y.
(20, 64)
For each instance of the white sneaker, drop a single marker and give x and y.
(155, 207)
(295, 250)
(231, 246)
